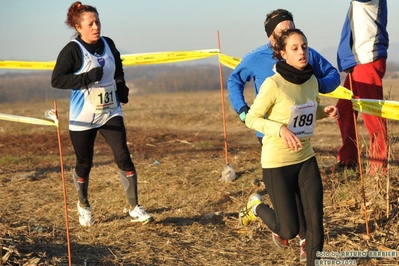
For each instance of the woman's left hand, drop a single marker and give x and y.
(332, 111)
(123, 92)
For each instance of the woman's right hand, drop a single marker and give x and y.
(95, 74)
(291, 141)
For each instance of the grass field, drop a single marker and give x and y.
(177, 144)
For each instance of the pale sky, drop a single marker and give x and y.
(35, 30)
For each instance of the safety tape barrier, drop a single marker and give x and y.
(387, 109)
(136, 59)
(382, 108)
(166, 57)
(32, 65)
(50, 114)
(229, 61)
(128, 60)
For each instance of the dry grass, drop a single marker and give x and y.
(177, 145)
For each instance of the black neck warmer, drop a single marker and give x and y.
(94, 48)
(293, 74)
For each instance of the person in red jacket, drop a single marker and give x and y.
(362, 53)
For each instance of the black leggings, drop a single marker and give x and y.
(114, 133)
(284, 185)
(302, 222)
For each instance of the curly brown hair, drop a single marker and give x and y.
(75, 12)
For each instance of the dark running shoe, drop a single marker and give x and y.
(278, 241)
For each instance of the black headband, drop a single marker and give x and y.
(271, 25)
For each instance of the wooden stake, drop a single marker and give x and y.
(360, 164)
(63, 188)
(223, 106)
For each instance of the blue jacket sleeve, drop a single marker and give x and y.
(327, 75)
(236, 83)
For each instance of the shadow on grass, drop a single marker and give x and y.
(33, 251)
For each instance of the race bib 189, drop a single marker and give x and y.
(303, 119)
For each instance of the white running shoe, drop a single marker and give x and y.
(85, 218)
(138, 214)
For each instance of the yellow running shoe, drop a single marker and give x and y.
(247, 215)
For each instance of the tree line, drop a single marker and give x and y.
(22, 86)
(36, 86)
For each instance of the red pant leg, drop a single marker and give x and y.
(368, 79)
(366, 84)
(347, 153)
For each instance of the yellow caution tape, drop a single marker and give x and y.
(28, 120)
(128, 60)
(167, 57)
(382, 108)
(27, 65)
(340, 93)
(229, 61)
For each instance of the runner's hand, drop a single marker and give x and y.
(291, 141)
(243, 113)
(123, 92)
(95, 74)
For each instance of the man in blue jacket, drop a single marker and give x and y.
(258, 65)
(362, 53)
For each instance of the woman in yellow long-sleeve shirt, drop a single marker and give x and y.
(285, 110)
